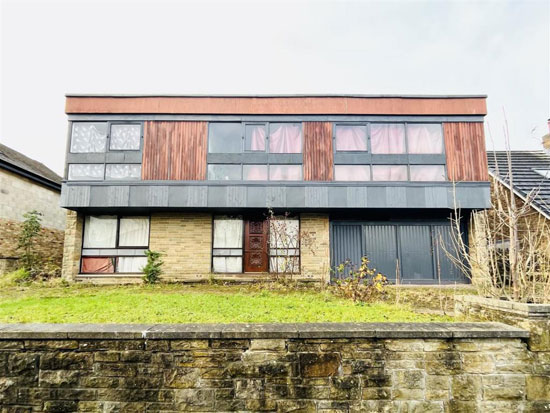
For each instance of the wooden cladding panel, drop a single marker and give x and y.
(318, 153)
(174, 151)
(465, 151)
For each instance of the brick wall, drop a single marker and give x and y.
(324, 368)
(185, 239)
(73, 245)
(315, 247)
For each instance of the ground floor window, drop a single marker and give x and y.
(284, 245)
(114, 244)
(227, 248)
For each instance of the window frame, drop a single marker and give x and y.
(212, 256)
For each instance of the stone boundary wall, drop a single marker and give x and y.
(379, 367)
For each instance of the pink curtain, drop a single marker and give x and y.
(351, 138)
(97, 265)
(425, 138)
(351, 173)
(389, 172)
(255, 172)
(387, 138)
(427, 173)
(256, 137)
(285, 172)
(285, 138)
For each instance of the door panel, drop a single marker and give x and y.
(416, 252)
(255, 246)
(381, 248)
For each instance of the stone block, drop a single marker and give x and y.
(267, 344)
(319, 365)
(466, 387)
(538, 388)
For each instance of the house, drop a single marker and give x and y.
(27, 185)
(194, 177)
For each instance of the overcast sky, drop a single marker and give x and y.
(50, 48)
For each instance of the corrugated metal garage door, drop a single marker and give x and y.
(415, 247)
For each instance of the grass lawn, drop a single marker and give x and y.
(196, 303)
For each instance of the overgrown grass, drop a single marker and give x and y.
(198, 303)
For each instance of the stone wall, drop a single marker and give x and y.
(278, 367)
(72, 247)
(315, 246)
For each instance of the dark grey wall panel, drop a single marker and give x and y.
(346, 245)
(381, 248)
(446, 267)
(295, 197)
(416, 252)
(357, 196)
(316, 196)
(188, 196)
(396, 197)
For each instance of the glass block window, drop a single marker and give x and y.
(254, 138)
(427, 172)
(125, 137)
(255, 172)
(227, 251)
(389, 173)
(351, 137)
(387, 138)
(86, 172)
(133, 232)
(224, 172)
(425, 138)
(88, 137)
(100, 231)
(285, 172)
(352, 173)
(285, 138)
(123, 171)
(225, 137)
(284, 245)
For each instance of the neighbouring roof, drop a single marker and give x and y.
(22, 165)
(526, 179)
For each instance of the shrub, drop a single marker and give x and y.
(153, 268)
(360, 284)
(30, 231)
(17, 277)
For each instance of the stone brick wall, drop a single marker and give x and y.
(19, 195)
(315, 258)
(306, 368)
(72, 247)
(185, 239)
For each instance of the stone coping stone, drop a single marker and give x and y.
(253, 331)
(535, 310)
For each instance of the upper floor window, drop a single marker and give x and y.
(125, 137)
(351, 138)
(425, 138)
(387, 138)
(225, 138)
(285, 138)
(255, 137)
(86, 172)
(88, 137)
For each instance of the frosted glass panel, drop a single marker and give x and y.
(100, 231)
(387, 138)
(285, 138)
(389, 172)
(228, 264)
(285, 172)
(86, 172)
(123, 171)
(134, 232)
(427, 173)
(285, 265)
(255, 172)
(125, 137)
(351, 138)
(131, 264)
(425, 138)
(255, 138)
(352, 173)
(88, 137)
(222, 172)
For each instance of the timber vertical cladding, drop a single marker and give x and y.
(318, 153)
(465, 151)
(174, 151)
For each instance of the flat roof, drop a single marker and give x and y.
(283, 95)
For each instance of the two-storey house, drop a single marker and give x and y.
(194, 177)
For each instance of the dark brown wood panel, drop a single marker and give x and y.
(465, 151)
(255, 246)
(318, 153)
(174, 151)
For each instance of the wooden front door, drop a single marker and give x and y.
(255, 246)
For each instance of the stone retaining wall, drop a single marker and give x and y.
(466, 367)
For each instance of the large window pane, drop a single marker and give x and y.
(134, 232)
(131, 264)
(225, 138)
(285, 138)
(227, 264)
(389, 172)
(228, 233)
(255, 138)
(255, 172)
(387, 138)
(86, 172)
(125, 137)
(123, 171)
(352, 173)
(88, 137)
(100, 231)
(97, 265)
(425, 138)
(285, 172)
(351, 138)
(222, 172)
(284, 264)
(427, 173)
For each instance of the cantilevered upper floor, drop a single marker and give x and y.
(302, 152)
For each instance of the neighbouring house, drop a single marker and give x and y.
(193, 177)
(27, 185)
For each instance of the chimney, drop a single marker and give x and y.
(546, 139)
